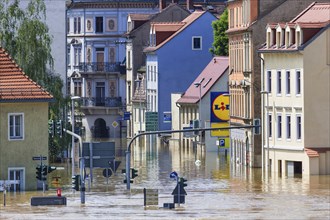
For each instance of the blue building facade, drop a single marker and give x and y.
(173, 64)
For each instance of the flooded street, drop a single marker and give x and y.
(216, 189)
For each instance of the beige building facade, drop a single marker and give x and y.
(296, 101)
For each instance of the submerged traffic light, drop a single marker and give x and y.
(44, 172)
(182, 182)
(59, 128)
(134, 173)
(51, 169)
(76, 182)
(38, 172)
(51, 130)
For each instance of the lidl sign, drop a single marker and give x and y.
(222, 132)
(219, 106)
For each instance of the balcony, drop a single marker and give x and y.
(111, 102)
(102, 67)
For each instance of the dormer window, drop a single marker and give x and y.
(287, 38)
(279, 36)
(270, 37)
(298, 36)
(152, 36)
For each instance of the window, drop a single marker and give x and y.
(279, 83)
(69, 56)
(288, 127)
(68, 25)
(77, 23)
(77, 88)
(231, 18)
(16, 123)
(270, 125)
(288, 88)
(128, 59)
(77, 55)
(196, 43)
(99, 24)
(298, 127)
(279, 126)
(155, 74)
(298, 82)
(269, 81)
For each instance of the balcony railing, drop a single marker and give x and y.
(102, 67)
(102, 101)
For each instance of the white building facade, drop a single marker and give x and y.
(296, 95)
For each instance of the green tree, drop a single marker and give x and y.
(220, 44)
(25, 36)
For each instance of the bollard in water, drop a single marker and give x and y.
(59, 192)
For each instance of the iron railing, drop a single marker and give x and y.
(102, 67)
(101, 101)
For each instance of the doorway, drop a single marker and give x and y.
(16, 176)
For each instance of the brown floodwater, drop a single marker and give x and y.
(216, 189)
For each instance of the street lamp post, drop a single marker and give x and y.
(199, 84)
(266, 128)
(73, 98)
(139, 85)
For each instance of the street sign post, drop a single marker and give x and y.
(39, 158)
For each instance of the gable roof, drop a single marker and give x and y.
(169, 8)
(15, 85)
(184, 24)
(208, 77)
(314, 13)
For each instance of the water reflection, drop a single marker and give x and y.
(216, 189)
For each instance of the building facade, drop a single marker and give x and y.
(137, 40)
(296, 102)
(195, 103)
(247, 21)
(96, 63)
(23, 126)
(177, 53)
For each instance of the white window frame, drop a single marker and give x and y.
(77, 25)
(287, 82)
(288, 123)
(298, 127)
(16, 137)
(270, 124)
(298, 82)
(279, 122)
(193, 45)
(279, 82)
(269, 81)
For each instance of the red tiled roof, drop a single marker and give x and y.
(186, 22)
(315, 152)
(209, 76)
(316, 12)
(15, 85)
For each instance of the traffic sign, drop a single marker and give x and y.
(127, 115)
(222, 142)
(174, 175)
(107, 172)
(39, 158)
(176, 190)
(114, 124)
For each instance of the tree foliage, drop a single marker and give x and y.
(25, 36)
(220, 44)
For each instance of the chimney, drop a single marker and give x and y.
(162, 4)
(190, 5)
